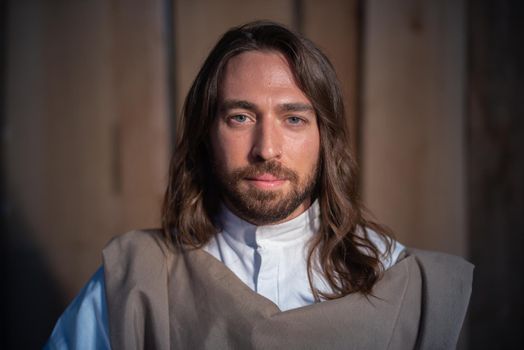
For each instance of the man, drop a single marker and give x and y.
(264, 241)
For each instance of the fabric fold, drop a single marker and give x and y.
(188, 299)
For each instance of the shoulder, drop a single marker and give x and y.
(447, 279)
(136, 267)
(135, 247)
(447, 283)
(439, 267)
(135, 255)
(138, 240)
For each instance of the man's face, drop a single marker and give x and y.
(265, 140)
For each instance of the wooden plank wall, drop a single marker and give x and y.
(86, 133)
(86, 145)
(413, 121)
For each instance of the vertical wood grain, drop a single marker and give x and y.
(413, 124)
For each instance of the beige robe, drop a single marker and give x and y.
(159, 298)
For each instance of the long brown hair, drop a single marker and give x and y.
(348, 259)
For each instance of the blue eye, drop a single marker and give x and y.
(240, 118)
(295, 120)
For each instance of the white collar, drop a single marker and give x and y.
(298, 229)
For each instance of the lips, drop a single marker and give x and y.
(264, 177)
(265, 180)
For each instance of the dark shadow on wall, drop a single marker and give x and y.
(32, 302)
(496, 172)
(3, 201)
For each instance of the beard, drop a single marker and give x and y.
(260, 206)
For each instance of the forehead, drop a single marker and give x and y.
(259, 73)
(267, 64)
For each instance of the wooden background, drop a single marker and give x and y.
(90, 90)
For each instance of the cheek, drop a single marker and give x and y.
(229, 151)
(305, 151)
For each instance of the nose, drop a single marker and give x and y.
(267, 141)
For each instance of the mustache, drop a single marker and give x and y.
(274, 168)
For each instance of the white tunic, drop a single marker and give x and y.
(272, 259)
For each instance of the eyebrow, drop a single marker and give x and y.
(285, 107)
(296, 107)
(241, 104)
